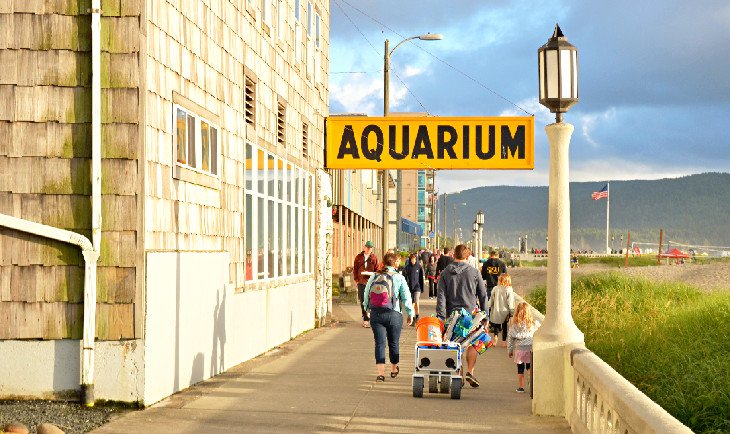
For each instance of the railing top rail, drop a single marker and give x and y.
(637, 410)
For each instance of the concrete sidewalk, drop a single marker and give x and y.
(323, 382)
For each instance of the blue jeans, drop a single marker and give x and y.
(386, 323)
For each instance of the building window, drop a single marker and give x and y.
(278, 219)
(281, 124)
(317, 34)
(196, 141)
(298, 31)
(250, 100)
(309, 19)
(266, 11)
(421, 179)
(317, 50)
(280, 15)
(305, 141)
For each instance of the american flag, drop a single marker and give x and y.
(600, 194)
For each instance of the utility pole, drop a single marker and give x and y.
(384, 173)
(453, 223)
(444, 220)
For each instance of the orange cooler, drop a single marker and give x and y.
(429, 331)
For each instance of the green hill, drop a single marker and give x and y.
(692, 210)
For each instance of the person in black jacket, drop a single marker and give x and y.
(491, 270)
(413, 272)
(443, 261)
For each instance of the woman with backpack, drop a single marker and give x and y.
(384, 293)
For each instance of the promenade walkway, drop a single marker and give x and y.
(323, 382)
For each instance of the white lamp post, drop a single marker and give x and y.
(480, 236)
(474, 237)
(553, 380)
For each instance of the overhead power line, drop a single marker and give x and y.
(479, 83)
(378, 52)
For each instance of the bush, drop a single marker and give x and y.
(670, 340)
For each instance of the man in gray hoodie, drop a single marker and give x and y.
(461, 286)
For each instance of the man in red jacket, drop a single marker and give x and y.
(366, 263)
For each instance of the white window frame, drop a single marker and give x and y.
(298, 30)
(309, 43)
(281, 10)
(198, 142)
(301, 247)
(266, 12)
(317, 48)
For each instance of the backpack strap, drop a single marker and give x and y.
(392, 288)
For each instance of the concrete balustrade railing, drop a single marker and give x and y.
(604, 402)
(607, 403)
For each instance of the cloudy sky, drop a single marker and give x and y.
(654, 77)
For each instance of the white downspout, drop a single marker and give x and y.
(46, 231)
(87, 359)
(90, 259)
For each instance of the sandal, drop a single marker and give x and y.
(395, 374)
(380, 379)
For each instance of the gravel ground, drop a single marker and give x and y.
(70, 417)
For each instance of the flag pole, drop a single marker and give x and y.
(608, 201)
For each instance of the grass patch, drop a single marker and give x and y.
(618, 262)
(670, 340)
(537, 263)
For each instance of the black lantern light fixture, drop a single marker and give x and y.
(557, 62)
(475, 227)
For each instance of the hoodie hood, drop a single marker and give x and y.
(456, 267)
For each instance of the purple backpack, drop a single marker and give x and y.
(381, 291)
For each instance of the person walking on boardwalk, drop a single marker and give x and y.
(501, 308)
(425, 256)
(414, 275)
(491, 270)
(367, 262)
(461, 286)
(431, 276)
(384, 293)
(443, 262)
(519, 341)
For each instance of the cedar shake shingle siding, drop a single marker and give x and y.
(45, 151)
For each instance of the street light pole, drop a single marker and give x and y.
(386, 111)
(553, 380)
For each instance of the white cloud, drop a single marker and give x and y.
(618, 169)
(531, 105)
(358, 96)
(412, 71)
(590, 121)
(365, 95)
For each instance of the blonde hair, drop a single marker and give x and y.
(505, 279)
(523, 315)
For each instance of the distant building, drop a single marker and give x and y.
(357, 213)
(212, 143)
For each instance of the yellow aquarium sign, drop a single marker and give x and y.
(360, 142)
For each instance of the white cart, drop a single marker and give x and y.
(439, 366)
